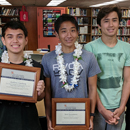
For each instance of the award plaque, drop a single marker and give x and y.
(70, 113)
(18, 83)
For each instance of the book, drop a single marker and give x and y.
(129, 13)
(85, 21)
(77, 12)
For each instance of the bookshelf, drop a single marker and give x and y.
(124, 27)
(8, 13)
(96, 32)
(46, 17)
(83, 17)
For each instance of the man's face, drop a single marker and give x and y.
(14, 40)
(67, 34)
(110, 24)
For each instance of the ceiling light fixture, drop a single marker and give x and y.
(107, 3)
(55, 2)
(4, 2)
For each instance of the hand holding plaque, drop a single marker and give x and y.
(18, 83)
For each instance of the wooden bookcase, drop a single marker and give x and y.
(45, 26)
(93, 31)
(31, 25)
(124, 28)
(83, 17)
(8, 13)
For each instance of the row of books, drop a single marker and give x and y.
(12, 19)
(94, 22)
(82, 38)
(9, 12)
(77, 11)
(125, 12)
(126, 39)
(83, 30)
(95, 37)
(95, 12)
(96, 31)
(123, 31)
(48, 33)
(125, 22)
(49, 17)
(82, 20)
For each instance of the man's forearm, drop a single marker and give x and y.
(125, 95)
(99, 104)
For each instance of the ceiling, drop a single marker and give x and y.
(72, 3)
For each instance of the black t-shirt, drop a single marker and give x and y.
(19, 115)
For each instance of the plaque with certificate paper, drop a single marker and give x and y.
(70, 113)
(18, 83)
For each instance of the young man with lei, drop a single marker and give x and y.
(19, 115)
(69, 68)
(113, 84)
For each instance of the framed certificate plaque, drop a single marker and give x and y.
(18, 83)
(70, 113)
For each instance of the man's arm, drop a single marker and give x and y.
(92, 84)
(40, 90)
(125, 92)
(48, 102)
(107, 114)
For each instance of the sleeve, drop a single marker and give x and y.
(41, 74)
(127, 50)
(88, 47)
(45, 66)
(93, 67)
(37, 64)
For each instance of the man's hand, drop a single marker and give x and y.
(40, 87)
(109, 117)
(91, 124)
(49, 125)
(117, 113)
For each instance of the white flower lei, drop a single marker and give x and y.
(60, 61)
(27, 58)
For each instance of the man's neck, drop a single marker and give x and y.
(68, 49)
(109, 41)
(15, 58)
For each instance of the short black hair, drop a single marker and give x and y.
(63, 18)
(14, 25)
(106, 10)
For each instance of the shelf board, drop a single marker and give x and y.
(8, 16)
(124, 26)
(84, 25)
(127, 35)
(82, 42)
(96, 34)
(85, 34)
(94, 16)
(125, 17)
(94, 26)
(81, 16)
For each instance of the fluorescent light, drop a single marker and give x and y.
(107, 3)
(4, 2)
(55, 2)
